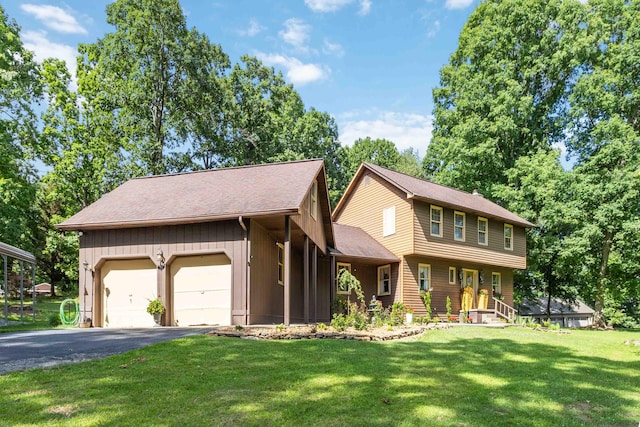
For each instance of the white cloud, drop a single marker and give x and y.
(365, 7)
(334, 49)
(253, 29)
(296, 33)
(457, 4)
(297, 72)
(404, 129)
(44, 48)
(54, 18)
(333, 5)
(435, 28)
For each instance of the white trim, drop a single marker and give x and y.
(495, 288)
(280, 263)
(433, 208)
(381, 280)
(510, 246)
(462, 228)
(313, 200)
(485, 231)
(454, 270)
(429, 287)
(346, 266)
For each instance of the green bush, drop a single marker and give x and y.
(54, 319)
(339, 322)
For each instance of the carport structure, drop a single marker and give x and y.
(10, 255)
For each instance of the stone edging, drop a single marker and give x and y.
(309, 332)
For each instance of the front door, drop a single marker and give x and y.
(470, 278)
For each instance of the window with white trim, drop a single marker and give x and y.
(458, 225)
(452, 275)
(496, 283)
(389, 221)
(424, 277)
(313, 200)
(280, 263)
(340, 267)
(436, 221)
(384, 280)
(508, 237)
(483, 231)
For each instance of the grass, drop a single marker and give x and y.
(45, 307)
(454, 377)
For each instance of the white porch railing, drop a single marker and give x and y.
(504, 310)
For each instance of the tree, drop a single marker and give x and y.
(20, 88)
(501, 96)
(153, 76)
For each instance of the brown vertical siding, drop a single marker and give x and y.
(267, 296)
(226, 236)
(314, 228)
(364, 209)
(446, 247)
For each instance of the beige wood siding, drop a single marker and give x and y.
(441, 288)
(96, 247)
(364, 207)
(469, 249)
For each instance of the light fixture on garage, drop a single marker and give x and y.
(160, 258)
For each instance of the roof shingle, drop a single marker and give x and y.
(201, 196)
(353, 242)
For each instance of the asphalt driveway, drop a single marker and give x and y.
(33, 349)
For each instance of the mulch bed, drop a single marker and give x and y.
(312, 332)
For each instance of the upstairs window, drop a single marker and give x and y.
(424, 277)
(280, 264)
(384, 280)
(436, 221)
(389, 221)
(458, 225)
(346, 267)
(313, 200)
(508, 237)
(483, 230)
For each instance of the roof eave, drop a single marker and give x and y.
(170, 221)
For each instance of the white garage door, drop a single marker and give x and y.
(202, 290)
(128, 286)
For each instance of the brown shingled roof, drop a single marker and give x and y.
(276, 188)
(353, 242)
(439, 194)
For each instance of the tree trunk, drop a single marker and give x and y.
(601, 286)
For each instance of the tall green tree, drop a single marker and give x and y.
(20, 88)
(501, 95)
(152, 75)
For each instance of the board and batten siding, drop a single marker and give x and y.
(99, 246)
(364, 208)
(469, 249)
(314, 228)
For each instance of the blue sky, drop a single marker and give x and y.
(371, 64)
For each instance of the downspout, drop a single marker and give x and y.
(247, 267)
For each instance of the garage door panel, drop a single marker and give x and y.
(202, 290)
(128, 285)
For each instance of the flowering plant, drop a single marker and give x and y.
(483, 292)
(155, 306)
(409, 309)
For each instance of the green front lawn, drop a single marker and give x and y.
(455, 377)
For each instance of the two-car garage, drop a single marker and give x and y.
(199, 286)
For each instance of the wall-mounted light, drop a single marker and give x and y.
(87, 266)
(460, 275)
(160, 258)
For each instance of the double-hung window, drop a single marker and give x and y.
(342, 266)
(424, 277)
(508, 237)
(458, 225)
(384, 280)
(436, 221)
(280, 264)
(483, 231)
(496, 283)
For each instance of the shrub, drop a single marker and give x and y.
(54, 319)
(339, 322)
(426, 298)
(448, 308)
(321, 326)
(398, 311)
